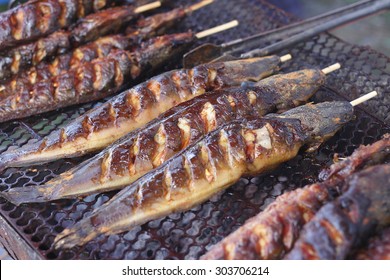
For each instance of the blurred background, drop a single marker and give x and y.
(371, 31)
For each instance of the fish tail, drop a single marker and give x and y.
(5, 161)
(31, 194)
(79, 234)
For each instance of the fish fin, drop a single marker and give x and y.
(21, 195)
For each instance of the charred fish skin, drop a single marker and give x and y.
(58, 42)
(195, 174)
(144, 149)
(320, 120)
(378, 247)
(135, 107)
(341, 225)
(36, 19)
(272, 233)
(46, 70)
(101, 23)
(15, 60)
(156, 25)
(91, 81)
(189, 178)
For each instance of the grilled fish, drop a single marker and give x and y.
(36, 19)
(148, 147)
(94, 80)
(378, 247)
(341, 225)
(135, 107)
(272, 233)
(100, 48)
(208, 166)
(15, 60)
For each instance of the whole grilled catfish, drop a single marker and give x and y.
(36, 19)
(272, 233)
(210, 165)
(135, 107)
(100, 48)
(342, 225)
(148, 147)
(94, 80)
(17, 59)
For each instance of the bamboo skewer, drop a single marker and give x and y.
(216, 29)
(364, 98)
(331, 68)
(197, 6)
(147, 7)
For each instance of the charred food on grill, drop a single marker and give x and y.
(148, 147)
(137, 106)
(272, 233)
(210, 165)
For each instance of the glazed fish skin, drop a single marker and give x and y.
(91, 81)
(17, 59)
(101, 23)
(65, 62)
(275, 240)
(147, 148)
(76, 86)
(97, 49)
(135, 107)
(186, 180)
(345, 223)
(378, 247)
(272, 233)
(203, 169)
(39, 18)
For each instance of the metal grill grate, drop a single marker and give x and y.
(188, 235)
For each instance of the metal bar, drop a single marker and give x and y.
(306, 34)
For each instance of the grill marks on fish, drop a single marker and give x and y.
(89, 82)
(16, 60)
(137, 106)
(361, 209)
(36, 19)
(272, 233)
(185, 180)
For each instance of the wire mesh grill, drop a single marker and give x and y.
(188, 235)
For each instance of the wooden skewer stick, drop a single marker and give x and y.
(331, 68)
(216, 29)
(199, 5)
(364, 98)
(147, 7)
(285, 58)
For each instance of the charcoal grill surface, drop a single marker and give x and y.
(190, 234)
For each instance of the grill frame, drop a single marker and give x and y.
(28, 231)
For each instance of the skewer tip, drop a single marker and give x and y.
(147, 7)
(198, 6)
(364, 98)
(285, 58)
(331, 68)
(217, 29)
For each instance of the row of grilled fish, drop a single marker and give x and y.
(188, 153)
(143, 29)
(27, 36)
(325, 220)
(96, 70)
(219, 146)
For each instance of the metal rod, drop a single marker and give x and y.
(292, 29)
(307, 34)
